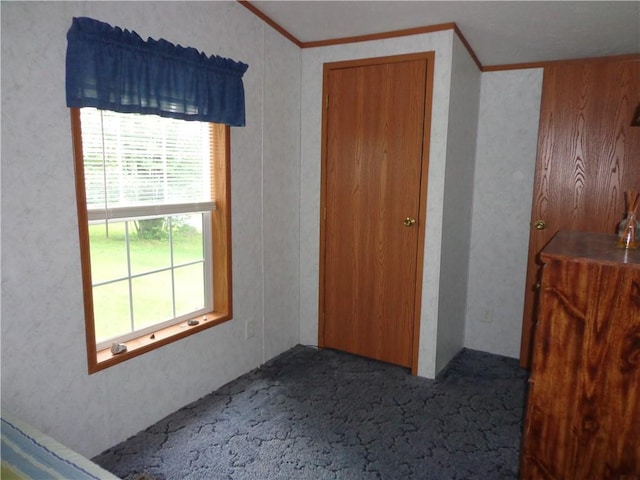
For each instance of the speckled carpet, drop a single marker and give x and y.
(322, 414)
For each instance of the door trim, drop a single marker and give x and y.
(424, 175)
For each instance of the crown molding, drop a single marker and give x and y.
(361, 38)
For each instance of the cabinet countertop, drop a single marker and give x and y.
(589, 247)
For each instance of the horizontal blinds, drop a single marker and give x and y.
(143, 163)
(149, 210)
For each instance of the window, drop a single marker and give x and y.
(154, 209)
(154, 221)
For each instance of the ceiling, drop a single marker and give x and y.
(499, 32)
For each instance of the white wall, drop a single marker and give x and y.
(503, 188)
(281, 200)
(275, 198)
(458, 199)
(312, 61)
(44, 368)
(482, 159)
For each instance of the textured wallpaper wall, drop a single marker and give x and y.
(482, 155)
(503, 186)
(275, 204)
(458, 201)
(44, 368)
(312, 60)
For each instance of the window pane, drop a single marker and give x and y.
(152, 299)
(189, 287)
(187, 238)
(149, 246)
(108, 251)
(111, 310)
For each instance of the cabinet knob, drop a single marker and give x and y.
(540, 224)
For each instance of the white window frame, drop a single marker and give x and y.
(208, 283)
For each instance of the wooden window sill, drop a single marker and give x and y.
(164, 336)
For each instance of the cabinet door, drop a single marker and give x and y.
(583, 413)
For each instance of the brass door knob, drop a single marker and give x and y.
(409, 222)
(540, 224)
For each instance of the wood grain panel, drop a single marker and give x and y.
(587, 157)
(583, 413)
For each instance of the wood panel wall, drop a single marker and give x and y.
(588, 155)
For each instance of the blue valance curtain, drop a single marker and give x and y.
(114, 69)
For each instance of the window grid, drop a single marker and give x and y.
(171, 269)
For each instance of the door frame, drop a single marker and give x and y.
(424, 175)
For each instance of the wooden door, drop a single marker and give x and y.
(374, 164)
(588, 155)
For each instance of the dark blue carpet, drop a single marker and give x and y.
(322, 414)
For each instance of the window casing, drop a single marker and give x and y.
(142, 196)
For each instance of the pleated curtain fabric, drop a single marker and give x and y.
(114, 69)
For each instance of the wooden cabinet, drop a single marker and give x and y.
(583, 411)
